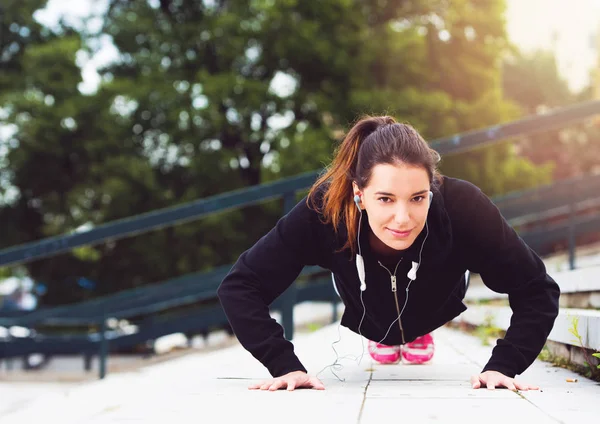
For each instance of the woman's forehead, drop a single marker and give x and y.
(398, 179)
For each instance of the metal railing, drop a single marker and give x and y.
(286, 188)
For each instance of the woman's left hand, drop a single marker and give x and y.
(493, 379)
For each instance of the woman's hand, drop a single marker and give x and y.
(493, 379)
(291, 381)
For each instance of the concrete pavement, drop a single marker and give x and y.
(213, 386)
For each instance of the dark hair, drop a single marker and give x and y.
(373, 140)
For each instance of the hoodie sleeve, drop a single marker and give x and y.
(506, 265)
(260, 275)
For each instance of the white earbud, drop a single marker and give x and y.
(360, 263)
(360, 267)
(412, 274)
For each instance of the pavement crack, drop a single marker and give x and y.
(538, 408)
(362, 405)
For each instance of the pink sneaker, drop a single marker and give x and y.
(418, 351)
(384, 354)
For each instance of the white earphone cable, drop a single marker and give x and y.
(338, 366)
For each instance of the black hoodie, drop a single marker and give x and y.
(465, 232)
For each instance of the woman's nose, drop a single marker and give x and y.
(402, 215)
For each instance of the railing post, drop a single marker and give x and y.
(571, 236)
(289, 297)
(103, 347)
(287, 311)
(87, 362)
(335, 311)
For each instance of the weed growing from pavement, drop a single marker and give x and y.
(590, 370)
(487, 332)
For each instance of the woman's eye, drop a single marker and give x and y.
(418, 199)
(384, 199)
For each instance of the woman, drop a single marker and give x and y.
(398, 238)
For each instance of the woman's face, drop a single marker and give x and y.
(396, 200)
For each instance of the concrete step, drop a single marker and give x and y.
(587, 321)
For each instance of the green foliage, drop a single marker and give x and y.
(488, 332)
(191, 109)
(313, 326)
(5, 272)
(520, 70)
(18, 30)
(86, 253)
(597, 355)
(574, 330)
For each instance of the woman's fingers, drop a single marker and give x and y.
(292, 382)
(493, 379)
(277, 384)
(491, 384)
(475, 383)
(256, 386)
(521, 386)
(316, 383)
(509, 384)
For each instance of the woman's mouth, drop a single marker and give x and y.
(399, 234)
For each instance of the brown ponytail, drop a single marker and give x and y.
(338, 204)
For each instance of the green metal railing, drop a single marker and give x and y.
(287, 188)
(562, 199)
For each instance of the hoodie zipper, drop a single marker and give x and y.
(395, 291)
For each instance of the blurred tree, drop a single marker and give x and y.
(17, 29)
(18, 32)
(465, 44)
(534, 83)
(208, 96)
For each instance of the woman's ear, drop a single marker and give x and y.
(355, 189)
(357, 196)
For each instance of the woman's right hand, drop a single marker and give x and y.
(291, 381)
